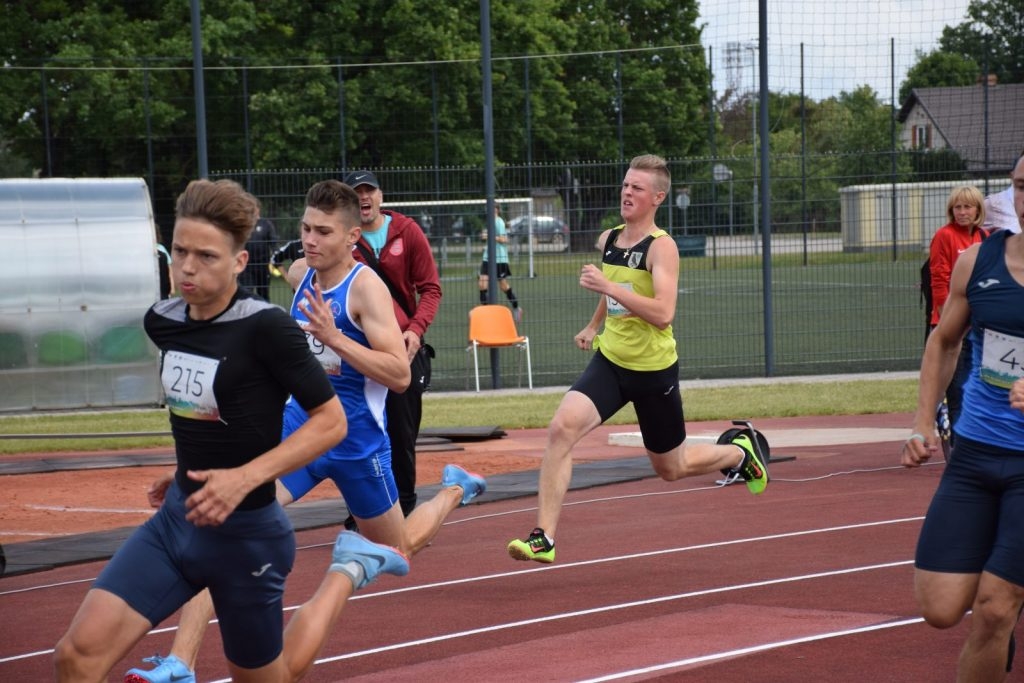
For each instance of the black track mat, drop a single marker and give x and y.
(464, 433)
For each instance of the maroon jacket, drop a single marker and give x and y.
(408, 261)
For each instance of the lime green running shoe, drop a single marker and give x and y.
(535, 547)
(752, 470)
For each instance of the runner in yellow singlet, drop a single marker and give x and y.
(634, 361)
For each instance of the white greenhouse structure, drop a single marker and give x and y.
(80, 271)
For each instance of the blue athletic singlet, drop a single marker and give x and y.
(362, 397)
(997, 334)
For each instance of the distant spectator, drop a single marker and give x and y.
(426, 223)
(163, 260)
(965, 213)
(999, 211)
(256, 276)
(501, 266)
(289, 251)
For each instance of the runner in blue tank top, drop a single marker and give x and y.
(346, 312)
(351, 328)
(970, 554)
(362, 396)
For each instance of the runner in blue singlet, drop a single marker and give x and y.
(970, 554)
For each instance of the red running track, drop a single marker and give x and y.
(810, 581)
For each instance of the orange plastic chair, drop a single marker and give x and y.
(491, 326)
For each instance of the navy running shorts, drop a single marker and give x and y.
(973, 522)
(244, 563)
(654, 395)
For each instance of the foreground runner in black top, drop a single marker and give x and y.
(228, 363)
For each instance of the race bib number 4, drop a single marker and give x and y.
(188, 385)
(1002, 359)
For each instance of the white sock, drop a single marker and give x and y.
(743, 453)
(352, 569)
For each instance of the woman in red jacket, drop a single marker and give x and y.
(965, 211)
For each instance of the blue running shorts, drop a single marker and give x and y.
(367, 485)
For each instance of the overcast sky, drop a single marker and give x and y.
(846, 44)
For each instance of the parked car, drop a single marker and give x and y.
(543, 228)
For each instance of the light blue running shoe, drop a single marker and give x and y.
(374, 558)
(472, 484)
(168, 669)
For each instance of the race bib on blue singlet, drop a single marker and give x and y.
(329, 360)
(188, 385)
(1002, 359)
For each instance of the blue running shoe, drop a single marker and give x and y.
(374, 558)
(472, 484)
(168, 669)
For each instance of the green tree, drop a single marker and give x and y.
(525, 86)
(937, 164)
(106, 87)
(939, 69)
(992, 36)
(803, 186)
(13, 165)
(659, 92)
(95, 117)
(856, 127)
(288, 111)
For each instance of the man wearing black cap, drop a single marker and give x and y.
(395, 246)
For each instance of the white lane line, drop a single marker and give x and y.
(588, 501)
(633, 556)
(27, 655)
(45, 534)
(557, 567)
(749, 650)
(29, 589)
(620, 606)
(608, 608)
(678, 491)
(116, 511)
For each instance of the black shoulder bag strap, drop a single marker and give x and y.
(372, 261)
